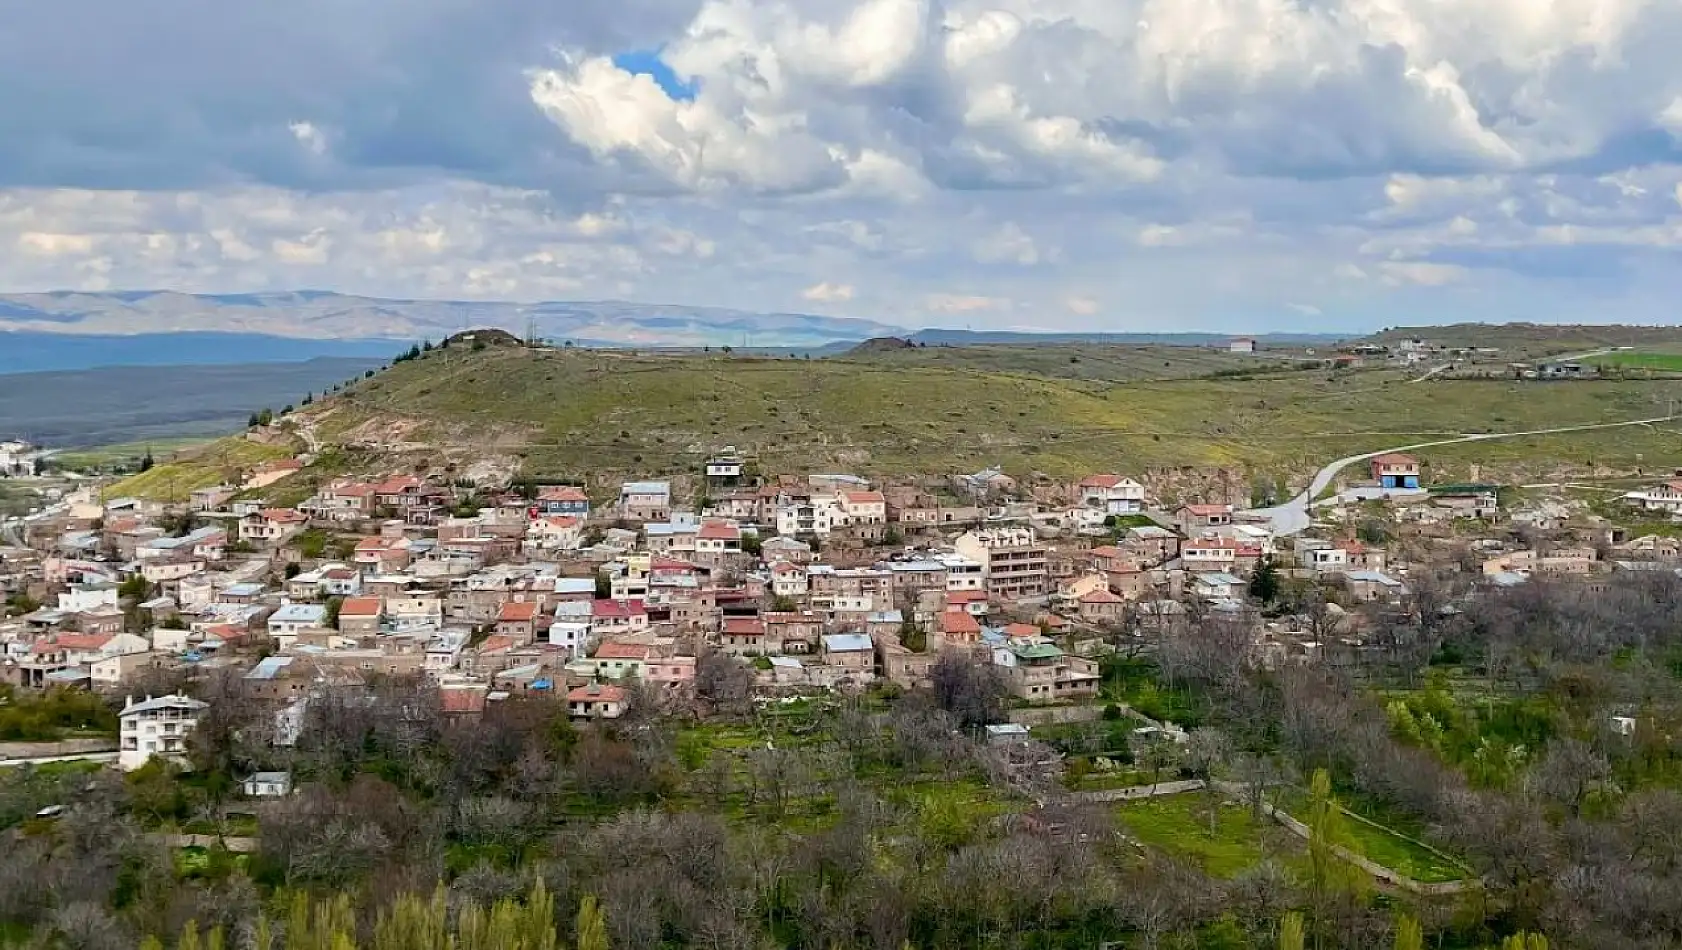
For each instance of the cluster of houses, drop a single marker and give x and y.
(600, 596)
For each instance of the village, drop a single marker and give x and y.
(819, 584)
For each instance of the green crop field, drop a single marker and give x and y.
(1642, 359)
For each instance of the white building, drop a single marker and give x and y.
(156, 726)
(1112, 494)
(1666, 497)
(817, 517)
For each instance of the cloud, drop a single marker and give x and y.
(963, 303)
(1081, 306)
(826, 292)
(1213, 158)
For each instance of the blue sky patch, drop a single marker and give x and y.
(647, 62)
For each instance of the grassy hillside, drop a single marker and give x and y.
(568, 412)
(1534, 340)
(177, 475)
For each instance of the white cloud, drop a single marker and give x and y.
(826, 292)
(1184, 160)
(964, 303)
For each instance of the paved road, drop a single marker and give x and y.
(1293, 517)
(50, 759)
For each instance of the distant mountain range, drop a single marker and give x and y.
(322, 315)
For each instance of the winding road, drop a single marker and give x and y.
(1294, 516)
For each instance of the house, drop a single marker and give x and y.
(617, 617)
(1374, 585)
(1218, 586)
(645, 501)
(851, 651)
(343, 501)
(810, 517)
(156, 727)
(1194, 517)
(958, 627)
(715, 539)
(361, 615)
(725, 468)
(596, 701)
(398, 493)
(267, 785)
(792, 550)
(563, 500)
(863, 507)
(1394, 470)
(271, 524)
(1112, 494)
(211, 498)
(293, 619)
(1039, 671)
(1665, 497)
(745, 635)
(1013, 561)
(1468, 501)
(622, 661)
(1241, 344)
(518, 619)
(1100, 606)
(1210, 554)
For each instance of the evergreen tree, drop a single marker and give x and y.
(1264, 583)
(146, 462)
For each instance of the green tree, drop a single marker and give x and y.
(1264, 583)
(334, 605)
(146, 461)
(1524, 940)
(592, 925)
(413, 922)
(135, 588)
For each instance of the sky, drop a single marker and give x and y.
(1228, 165)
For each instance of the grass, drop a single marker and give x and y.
(1179, 825)
(1370, 837)
(1642, 360)
(172, 479)
(126, 453)
(943, 410)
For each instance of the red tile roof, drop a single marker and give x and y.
(1108, 552)
(462, 699)
(720, 531)
(1101, 597)
(516, 611)
(1101, 481)
(397, 485)
(496, 643)
(1203, 511)
(361, 607)
(744, 627)
(283, 515)
(959, 621)
(596, 693)
(623, 651)
(617, 609)
(72, 641)
(1394, 458)
(562, 493)
(864, 498)
(965, 597)
(1020, 630)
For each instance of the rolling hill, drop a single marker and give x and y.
(574, 412)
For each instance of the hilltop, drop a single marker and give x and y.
(574, 412)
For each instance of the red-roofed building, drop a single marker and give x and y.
(959, 628)
(398, 492)
(972, 601)
(596, 701)
(563, 500)
(518, 619)
(361, 615)
(743, 635)
(1192, 517)
(864, 507)
(271, 524)
(1394, 470)
(462, 699)
(343, 501)
(718, 538)
(1100, 606)
(613, 617)
(1112, 494)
